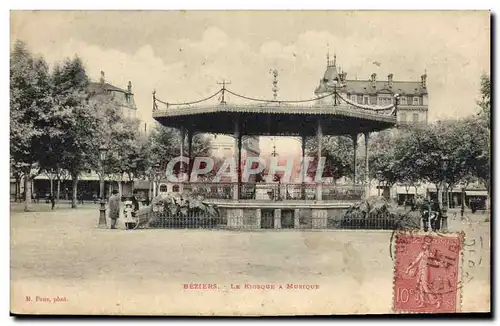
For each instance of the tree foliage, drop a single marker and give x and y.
(58, 124)
(165, 145)
(29, 98)
(338, 152)
(418, 154)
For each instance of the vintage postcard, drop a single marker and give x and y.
(250, 163)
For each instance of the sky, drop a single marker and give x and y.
(183, 54)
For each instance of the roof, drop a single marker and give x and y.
(401, 87)
(97, 86)
(106, 89)
(365, 86)
(276, 119)
(331, 73)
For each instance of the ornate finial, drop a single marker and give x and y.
(224, 83)
(274, 153)
(129, 86)
(275, 83)
(155, 106)
(102, 77)
(327, 54)
(334, 59)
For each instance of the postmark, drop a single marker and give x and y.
(427, 273)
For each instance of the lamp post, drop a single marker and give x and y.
(156, 174)
(379, 177)
(103, 150)
(335, 82)
(462, 207)
(445, 161)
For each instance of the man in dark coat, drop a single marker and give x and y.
(114, 208)
(425, 211)
(52, 201)
(435, 216)
(135, 202)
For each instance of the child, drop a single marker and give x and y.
(129, 220)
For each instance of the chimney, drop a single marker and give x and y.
(424, 81)
(102, 77)
(129, 87)
(374, 80)
(389, 78)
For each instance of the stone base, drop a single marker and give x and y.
(240, 216)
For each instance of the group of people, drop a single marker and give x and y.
(131, 207)
(431, 215)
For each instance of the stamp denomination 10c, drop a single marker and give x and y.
(427, 273)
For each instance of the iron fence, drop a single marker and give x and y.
(190, 220)
(277, 191)
(277, 219)
(346, 193)
(210, 190)
(273, 191)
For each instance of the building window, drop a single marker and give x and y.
(402, 117)
(365, 99)
(175, 188)
(384, 100)
(415, 117)
(403, 100)
(163, 188)
(415, 100)
(353, 99)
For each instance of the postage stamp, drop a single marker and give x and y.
(427, 273)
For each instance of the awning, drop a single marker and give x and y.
(402, 190)
(476, 193)
(142, 184)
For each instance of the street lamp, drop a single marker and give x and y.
(103, 150)
(335, 82)
(445, 162)
(156, 173)
(462, 208)
(379, 177)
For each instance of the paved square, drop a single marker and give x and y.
(61, 256)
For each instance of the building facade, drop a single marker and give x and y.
(225, 146)
(413, 95)
(413, 108)
(106, 92)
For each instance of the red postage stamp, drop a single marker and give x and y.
(427, 273)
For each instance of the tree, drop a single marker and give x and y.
(29, 96)
(382, 161)
(338, 152)
(165, 146)
(78, 145)
(483, 141)
(128, 153)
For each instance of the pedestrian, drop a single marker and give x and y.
(435, 216)
(129, 216)
(425, 211)
(114, 208)
(135, 202)
(94, 196)
(52, 201)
